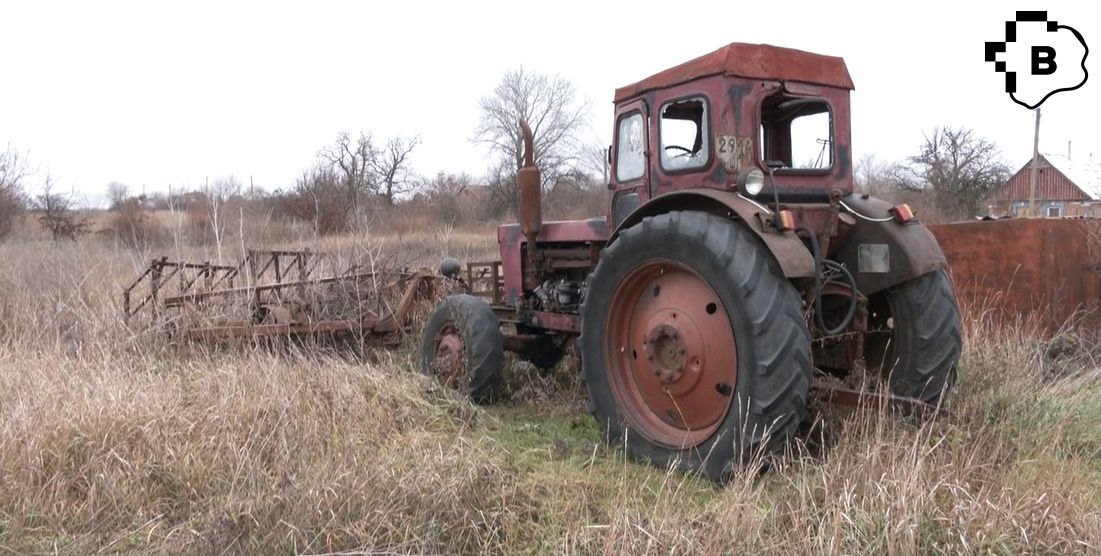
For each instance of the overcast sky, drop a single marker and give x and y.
(153, 94)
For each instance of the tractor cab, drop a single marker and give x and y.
(708, 122)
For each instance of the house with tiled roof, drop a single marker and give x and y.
(1065, 187)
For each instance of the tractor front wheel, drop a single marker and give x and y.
(694, 348)
(463, 347)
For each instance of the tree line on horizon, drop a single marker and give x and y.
(356, 177)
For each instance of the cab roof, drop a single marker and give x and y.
(754, 61)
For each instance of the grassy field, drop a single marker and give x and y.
(113, 440)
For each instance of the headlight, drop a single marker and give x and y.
(753, 181)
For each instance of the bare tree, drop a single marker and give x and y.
(209, 210)
(550, 105)
(594, 161)
(576, 194)
(448, 186)
(13, 200)
(318, 198)
(504, 196)
(390, 167)
(447, 194)
(880, 178)
(57, 213)
(958, 168)
(350, 160)
(117, 193)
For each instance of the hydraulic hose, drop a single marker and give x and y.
(820, 265)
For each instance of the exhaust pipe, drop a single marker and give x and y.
(531, 192)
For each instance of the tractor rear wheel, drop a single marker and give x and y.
(694, 347)
(914, 337)
(463, 347)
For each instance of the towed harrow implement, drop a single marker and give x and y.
(274, 293)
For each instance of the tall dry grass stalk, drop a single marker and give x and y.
(113, 440)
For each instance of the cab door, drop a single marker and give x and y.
(630, 160)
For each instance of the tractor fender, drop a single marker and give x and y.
(880, 251)
(793, 257)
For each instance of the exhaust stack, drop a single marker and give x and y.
(531, 193)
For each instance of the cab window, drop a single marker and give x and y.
(684, 134)
(630, 147)
(797, 132)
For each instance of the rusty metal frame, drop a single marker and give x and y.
(477, 276)
(857, 399)
(167, 285)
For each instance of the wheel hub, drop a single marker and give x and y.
(448, 361)
(666, 353)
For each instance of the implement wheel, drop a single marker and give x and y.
(694, 348)
(914, 337)
(463, 347)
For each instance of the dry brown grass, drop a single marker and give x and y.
(111, 440)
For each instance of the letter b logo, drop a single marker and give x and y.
(1043, 60)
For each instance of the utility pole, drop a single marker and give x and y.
(1035, 177)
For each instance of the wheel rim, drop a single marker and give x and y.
(671, 356)
(449, 356)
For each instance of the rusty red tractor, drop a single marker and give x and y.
(734, 264)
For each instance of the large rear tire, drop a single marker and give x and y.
(914, 337)
(694, 348)
(463, 347)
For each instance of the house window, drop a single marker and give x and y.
(797, 132)
(684, 134)
(1054, 211)
(630, 147)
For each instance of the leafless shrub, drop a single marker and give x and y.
(576, 195)
(57, 213)
(210, 210)
(130, 223)
(13, 201)
(453, 198)
(318, 198)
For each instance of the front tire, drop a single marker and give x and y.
(463, 347)
(694, 348)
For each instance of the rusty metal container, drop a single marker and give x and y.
(1040, 271)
